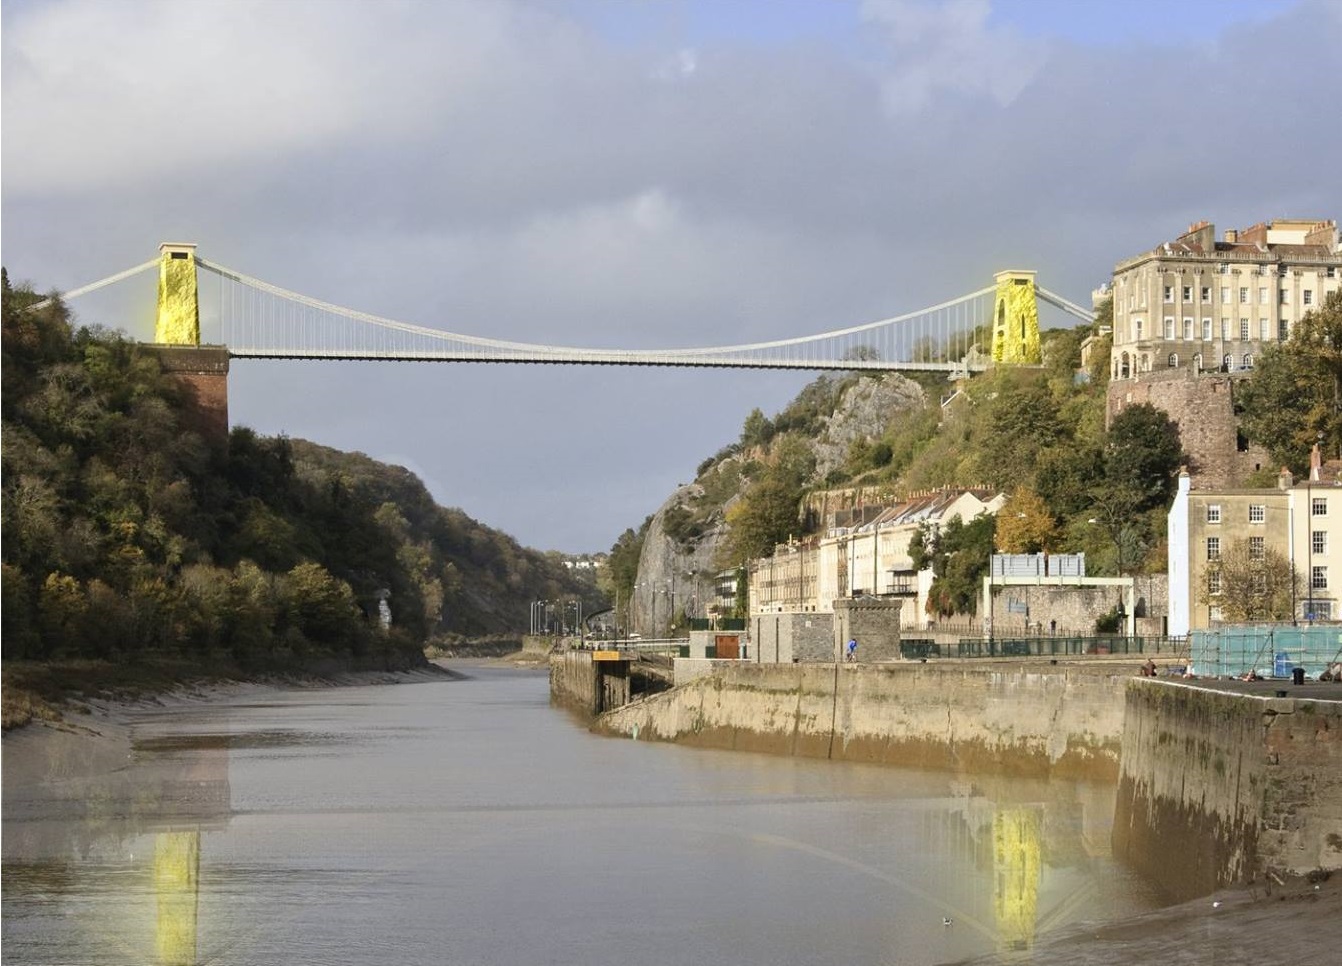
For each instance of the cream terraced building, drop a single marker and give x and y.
(1212, 306)
(869, 558)
(1301, 520)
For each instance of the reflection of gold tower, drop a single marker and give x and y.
(177, 883)
(178, 321)
(1016, 869)
(1016, 319)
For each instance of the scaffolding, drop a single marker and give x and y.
(1269, 650)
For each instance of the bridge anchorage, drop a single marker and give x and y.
(258, 320)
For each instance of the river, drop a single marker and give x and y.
(470, 822)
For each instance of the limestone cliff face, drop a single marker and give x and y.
(864, 412)
(675, 575)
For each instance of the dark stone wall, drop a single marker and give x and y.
(1203, 407)
(202, 372)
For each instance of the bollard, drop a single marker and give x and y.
(1298, 675)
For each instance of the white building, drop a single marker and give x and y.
(871, 558)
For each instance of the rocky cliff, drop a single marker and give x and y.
(683, 547)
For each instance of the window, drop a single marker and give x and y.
(1283, 330)
(1318, 506)
(1284, 297)
(1188, 293)
(1318, 578)
(1169, 293)
(1206, 293)
(1308, 298)
(1214, 582)
(1188, 329)
(1227, 362)
(1262, 296)
(1225, 295)
(1213, 513)
(1213, 548)
(1169, 327)
(1318, 541)
(1258, 584)
(1206, 330)
(1137, 329)
(1197, 362)
(1257, 513)
(1256, 548)
(1225, 330)
(1264, 329)
(1248, 360)
(1244, 330)
(1244, 295)
(1174, 360)
(1319, 610)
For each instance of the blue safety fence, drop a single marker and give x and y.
(1268, 650)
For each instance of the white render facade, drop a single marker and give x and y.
(868, 560)
(1212, 306)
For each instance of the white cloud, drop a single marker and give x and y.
(951, 46)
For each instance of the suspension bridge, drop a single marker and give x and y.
(259, 320)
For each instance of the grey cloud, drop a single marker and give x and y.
(504, 171)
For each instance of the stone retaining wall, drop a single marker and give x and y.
(1233, 785)
(1027, 720)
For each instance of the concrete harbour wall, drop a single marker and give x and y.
(592, 686)
(1026, 720)
(1233, 785)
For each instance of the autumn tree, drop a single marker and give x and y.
(1025, 524)
(1250, 582)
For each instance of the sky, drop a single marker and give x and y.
(632, 173)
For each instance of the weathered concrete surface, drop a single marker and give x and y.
(1233, 785)
(588, 685)
(1025, 719)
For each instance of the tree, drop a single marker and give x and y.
(757, 429)
(1142, 454)
(1022, 422)
(1250, 583)
(1295, 396)
(1025, 524)
(1100, 350)
(1117, 510)
(959, 554)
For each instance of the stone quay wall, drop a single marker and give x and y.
(1234, 785)
(1203, 406)
(1020, 719)
(590, 686)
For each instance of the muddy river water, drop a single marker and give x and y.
(470, 822)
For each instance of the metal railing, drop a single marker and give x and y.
(1068, 646)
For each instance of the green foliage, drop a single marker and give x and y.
(1142, 453)
(1295, 396)
(126, 534)
(959, 555)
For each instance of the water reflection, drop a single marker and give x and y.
(471, 822)
(76, 814)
